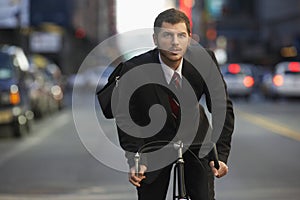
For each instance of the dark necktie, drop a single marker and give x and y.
(176, 80)
(173, 102)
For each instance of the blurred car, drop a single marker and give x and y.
(283, 82)
(51, 81)
(14, 89)
(40, 96)
(239, 78)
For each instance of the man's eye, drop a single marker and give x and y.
(182, 35)
(167, 34)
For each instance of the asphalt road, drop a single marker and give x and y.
(52, 162)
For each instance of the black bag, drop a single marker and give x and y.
(104, 95)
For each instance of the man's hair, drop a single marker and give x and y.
(172, 16)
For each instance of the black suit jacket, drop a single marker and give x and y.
(152, 94)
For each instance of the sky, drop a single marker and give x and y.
(136, 14)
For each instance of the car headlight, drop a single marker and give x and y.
(57, 92)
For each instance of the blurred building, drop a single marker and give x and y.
(279, 27)
(14, 15)
(94, 19)
(238, 22)
(257, 31)
(64, 30)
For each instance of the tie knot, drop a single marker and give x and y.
(176, 80)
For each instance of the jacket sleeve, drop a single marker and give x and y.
(224, 141)
(128, 132)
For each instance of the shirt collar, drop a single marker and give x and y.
(168, 71)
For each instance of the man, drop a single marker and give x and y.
(172, 38)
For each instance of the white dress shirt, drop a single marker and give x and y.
(168, 71)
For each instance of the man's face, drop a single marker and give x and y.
(172, 40)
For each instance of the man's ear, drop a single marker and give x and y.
(154, 36)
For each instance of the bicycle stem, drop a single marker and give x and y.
(179, 147)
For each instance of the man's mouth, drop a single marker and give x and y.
(175, 51)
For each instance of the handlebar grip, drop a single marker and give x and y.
(136, 162)
(214, 156)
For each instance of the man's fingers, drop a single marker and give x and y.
(138, 178)
(143, 168)
(214, 170)
(223, 170)
(137, 184)
(135, 180)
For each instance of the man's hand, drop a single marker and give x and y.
(223, 170)
(135, 180)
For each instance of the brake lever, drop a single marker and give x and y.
(214, 155)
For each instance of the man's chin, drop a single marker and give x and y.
(174, 57)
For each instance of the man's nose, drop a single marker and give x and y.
(175, 40)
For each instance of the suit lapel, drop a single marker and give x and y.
(193, 77)
(161, 93)
(186, 71)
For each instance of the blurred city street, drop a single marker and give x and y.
(49, 48)
(52, 163)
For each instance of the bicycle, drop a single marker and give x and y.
(178, 174)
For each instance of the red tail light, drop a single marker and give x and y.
(234, 68)
(278, 80)
(248, 81)
(294, 66)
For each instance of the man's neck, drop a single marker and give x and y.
(168, 71)
(170, 63)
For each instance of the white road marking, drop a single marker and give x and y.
(272, 125)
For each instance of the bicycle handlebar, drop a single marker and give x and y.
(179, 167)
(213, 154)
